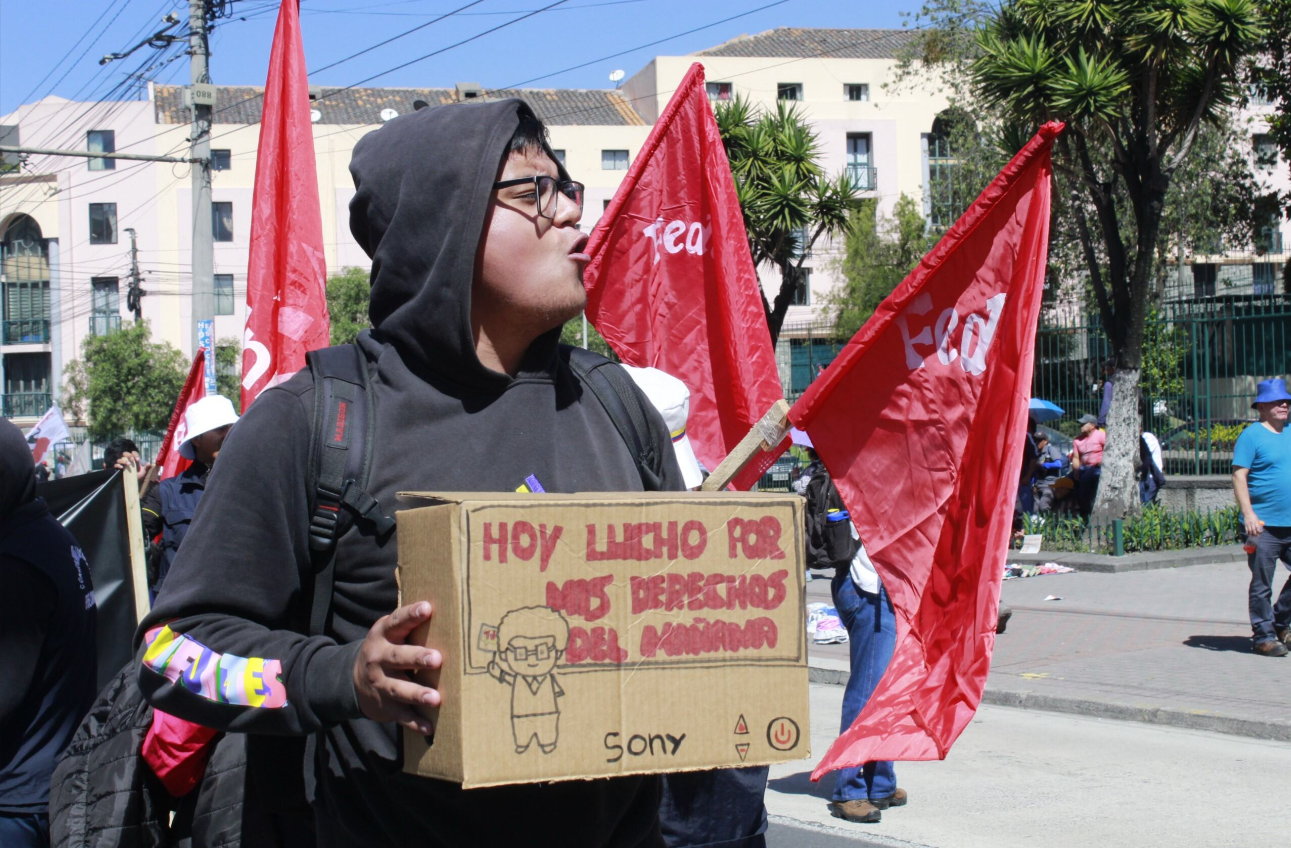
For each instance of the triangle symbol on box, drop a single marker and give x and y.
(743, 749)
(741, 727)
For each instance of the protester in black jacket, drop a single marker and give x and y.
(47, 656)
(470, 285)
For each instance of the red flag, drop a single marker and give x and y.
(672, 285)
(921, 422)
(169, 462)
(286, 275)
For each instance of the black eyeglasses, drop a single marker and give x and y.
(547, 189)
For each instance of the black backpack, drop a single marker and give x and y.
(343, 406)
(829, 528)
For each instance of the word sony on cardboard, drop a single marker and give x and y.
(588, 636)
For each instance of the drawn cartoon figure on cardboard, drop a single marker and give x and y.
(531, 641)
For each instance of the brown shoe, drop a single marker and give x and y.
(1284, 636)
(859, 811)
(896, 799)
(1270, 649)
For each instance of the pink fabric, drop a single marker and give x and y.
(1090, 448)
(286, 276)
(177, 751)
(920, 421)
(169, 462)
(671, 284)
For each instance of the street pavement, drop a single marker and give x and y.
(1170, 646)
(1025, 778)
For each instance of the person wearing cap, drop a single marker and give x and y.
(1087, 461)
(1261, 475)
(168, 507)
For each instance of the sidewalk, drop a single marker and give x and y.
(1168, 646)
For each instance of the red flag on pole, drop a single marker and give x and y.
(921, 422)
(671, 284)
(169, 462)
(286, 275)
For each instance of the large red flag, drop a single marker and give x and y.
(921, 422)
(169, 462)
(671, 284)
(286, 275)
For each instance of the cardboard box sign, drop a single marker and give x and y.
(596, 635)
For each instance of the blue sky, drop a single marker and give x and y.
(535, 52)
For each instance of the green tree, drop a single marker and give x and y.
(788, 201)
(347, 304)
(124, 382)
(878, 254)
(228, 369)
(1135, 84)
(572, 335)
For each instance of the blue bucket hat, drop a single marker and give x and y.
(1271, 391)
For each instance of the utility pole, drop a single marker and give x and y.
(202, 98)
(134, 294)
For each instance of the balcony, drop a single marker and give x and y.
(864, 177)
(26, 331)
(102, 324)
(25, 404)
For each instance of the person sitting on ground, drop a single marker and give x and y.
(1049, 463)
(47, 645)
(1261, 471)
(1087, 462)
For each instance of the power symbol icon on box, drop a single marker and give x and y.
(782, 734)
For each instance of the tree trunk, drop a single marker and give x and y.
(783, 300)
(1118, 488)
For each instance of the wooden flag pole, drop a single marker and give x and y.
(764, 436)
(134, 530)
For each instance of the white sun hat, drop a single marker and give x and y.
(210, 413)
(671, 397)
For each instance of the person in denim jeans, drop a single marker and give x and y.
(861, 794)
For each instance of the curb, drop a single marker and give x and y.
(1106, 564)
(836, 672)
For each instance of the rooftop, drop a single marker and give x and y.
(800, 43)
(555, 106)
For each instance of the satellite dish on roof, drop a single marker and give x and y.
(315, 116)
(418, 105)
(616, 76)
(387, 114)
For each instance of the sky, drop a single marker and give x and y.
(54, 47)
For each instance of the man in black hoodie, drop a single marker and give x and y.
(47, 659)
(476, 263)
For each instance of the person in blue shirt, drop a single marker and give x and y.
(1262, 486)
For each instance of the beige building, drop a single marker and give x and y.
(64, 222)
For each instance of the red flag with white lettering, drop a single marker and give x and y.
(921, 422)
(671, 284)
(169, 462)
(286, 275)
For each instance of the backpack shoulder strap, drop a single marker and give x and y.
(622, 401)
(341, 443)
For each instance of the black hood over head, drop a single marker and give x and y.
(423, 185)
(17, 469)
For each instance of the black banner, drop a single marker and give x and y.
(92, 506)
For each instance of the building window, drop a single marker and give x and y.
(103, 223)
(101, 141)
(223, 294)
(605, 205)
(802, 291)
(1203, 279)
(221, 160)
(788, 91)
(718, 90)
(859, 166)
(222, 220)
(1264, 276)
(614, 160)
(560, 156)
(1258, 96)
(105, 302)
(944, 199)
(858, 90)
(1266, 152)
(11, 137)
